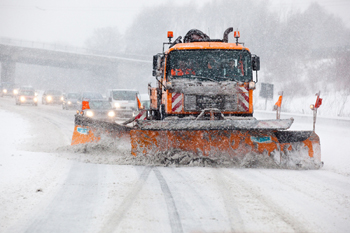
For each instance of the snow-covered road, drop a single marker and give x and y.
(45, 189)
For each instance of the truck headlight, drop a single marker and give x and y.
(69, 102)
(15, 92)
(35, 99)
(23, 98)
(49, 98)
(116, 105)
(111, 114)
(5, 91)
(251, 85)
(62, 98)
(89, 113)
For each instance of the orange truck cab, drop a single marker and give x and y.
(203, 76)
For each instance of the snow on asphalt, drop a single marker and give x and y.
(46, 187)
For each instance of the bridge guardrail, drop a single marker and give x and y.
(67, 48)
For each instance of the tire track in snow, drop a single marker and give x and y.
(255, 194)
(114, 221)
(63, 121)
(319, 191)
(77, 197)
(231, 207)
(175, 222)
(205, 204)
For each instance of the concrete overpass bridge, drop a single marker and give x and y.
(13, 51)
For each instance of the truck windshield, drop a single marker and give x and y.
(124, 95)
(215, 65)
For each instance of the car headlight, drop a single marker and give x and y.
(111, 114)
(117, 105)
(35, 99)
(89, 113)
(5, 91)
(69, 102)
(62, 98)
(49, 98)
(15, 92)
(23, 98)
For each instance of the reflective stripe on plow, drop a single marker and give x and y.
(243, 99)
(176, 105)
(142, 115)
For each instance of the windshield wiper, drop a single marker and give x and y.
(205, 78)
(223, 78)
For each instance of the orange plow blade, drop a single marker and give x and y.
(283, 146)
(228, 140)
(88, 130)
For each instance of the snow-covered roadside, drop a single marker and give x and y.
(24, 185)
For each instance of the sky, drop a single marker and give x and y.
(71, 22)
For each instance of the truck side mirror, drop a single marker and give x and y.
(157, 61)
(255, 62)
(155, 64)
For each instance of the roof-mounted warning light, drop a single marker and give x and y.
(170, 36)
(236, 34)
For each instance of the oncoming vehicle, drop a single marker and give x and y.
(86, 96)
(24, 88)
(98, 109)
(8, 89)
(71, 100)
(124, 101)
(52, 97)
(25, 96)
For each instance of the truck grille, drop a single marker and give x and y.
(200, 102)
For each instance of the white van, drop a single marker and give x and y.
(124, 101)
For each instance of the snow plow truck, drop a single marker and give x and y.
(203, 105)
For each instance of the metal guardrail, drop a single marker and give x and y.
(41, 45)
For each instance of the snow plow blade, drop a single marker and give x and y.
(211, 139)
(89, 130)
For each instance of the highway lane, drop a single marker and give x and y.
(80, 196)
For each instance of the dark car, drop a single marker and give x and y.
(7, 89)
(52, 97)
(89, 96)
(100, 109)
(26, 96)
(71, 100)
